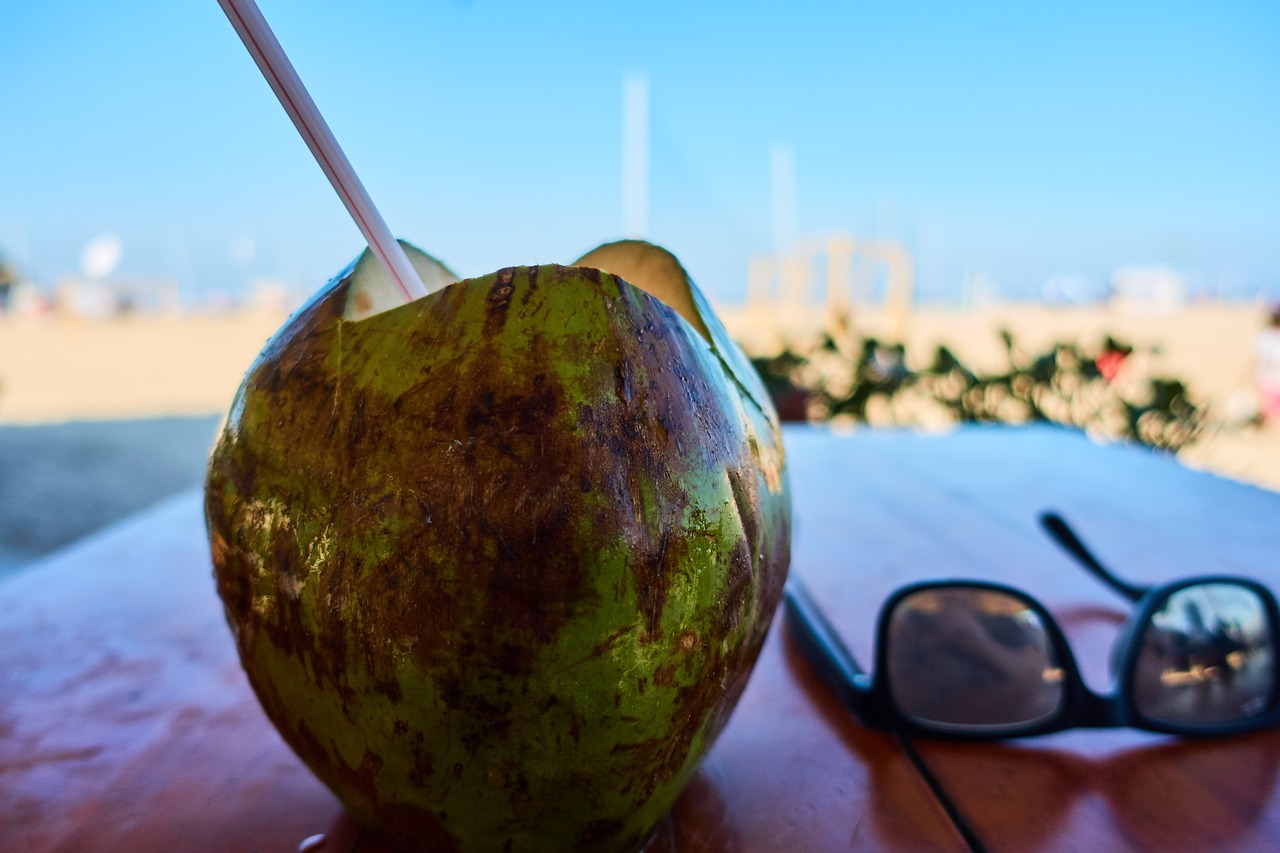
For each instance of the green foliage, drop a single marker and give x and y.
(1108, 390)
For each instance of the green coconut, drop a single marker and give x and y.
(498, 562)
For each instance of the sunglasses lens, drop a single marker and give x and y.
(972, 658)
(1207, 657)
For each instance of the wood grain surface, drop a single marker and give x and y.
(965, 506)
(126, 723)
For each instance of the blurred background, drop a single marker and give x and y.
(912, 215)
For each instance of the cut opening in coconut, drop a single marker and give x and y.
(652, 269)
(373, 291)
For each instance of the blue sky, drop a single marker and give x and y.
(1014, 140)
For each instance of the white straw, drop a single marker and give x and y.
(276, 67)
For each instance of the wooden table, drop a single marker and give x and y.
(126, 724)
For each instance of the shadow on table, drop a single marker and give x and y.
(894, 780)
(674, 833)
(1025, 795)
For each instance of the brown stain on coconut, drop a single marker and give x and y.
(404, 518)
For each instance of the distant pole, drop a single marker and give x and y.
(782, 174)
(635, 156)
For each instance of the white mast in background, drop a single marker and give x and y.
(635, 156)
(782, 174)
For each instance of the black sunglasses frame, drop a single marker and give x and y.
(871, 698)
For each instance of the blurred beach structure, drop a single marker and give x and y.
(111, 403)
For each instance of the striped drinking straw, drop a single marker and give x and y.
(276, 67)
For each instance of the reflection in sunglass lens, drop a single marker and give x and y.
(967, 657)
(1207, 656)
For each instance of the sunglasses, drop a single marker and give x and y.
(970, 660)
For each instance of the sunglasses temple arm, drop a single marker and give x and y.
(824, 651)
(1061, 533)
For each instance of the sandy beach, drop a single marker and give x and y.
(98, 419)
(142, 366)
